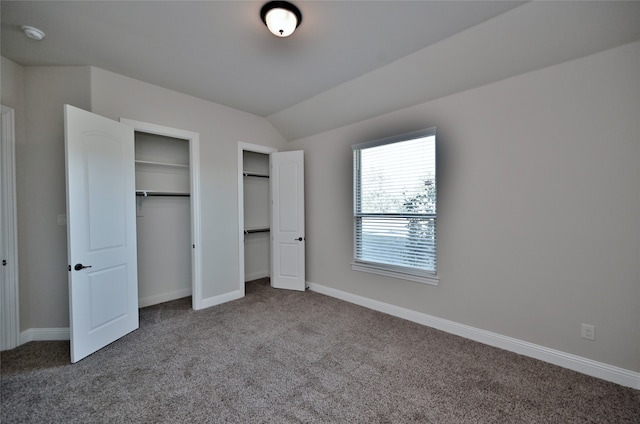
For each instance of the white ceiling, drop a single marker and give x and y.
(222, 52)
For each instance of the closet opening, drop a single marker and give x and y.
(163, 218)
(271, 216)
(254, 200)
(167, 214)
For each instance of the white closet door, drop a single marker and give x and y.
(101, 225)
(287, 221)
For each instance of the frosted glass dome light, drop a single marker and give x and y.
(281, 17)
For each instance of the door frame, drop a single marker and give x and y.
(194, 169)
(242, 147)
(10, 307)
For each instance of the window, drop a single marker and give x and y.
(394, 190)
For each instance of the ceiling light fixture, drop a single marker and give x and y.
(281, 17)
(33, 33)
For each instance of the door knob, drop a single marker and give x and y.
(299, 239)
(78, 267)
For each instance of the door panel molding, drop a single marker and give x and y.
(100, 180)
(287, 220)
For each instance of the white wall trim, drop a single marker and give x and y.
(44, 334)
(10, 307)
(194, 167)
(143, 302)
(566, 360)
(241, 148)
(222, 298)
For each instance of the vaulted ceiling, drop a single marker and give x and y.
(348, 60)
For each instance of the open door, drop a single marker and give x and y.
(287, 221)
(101, 230)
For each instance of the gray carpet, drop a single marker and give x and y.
(285, 357)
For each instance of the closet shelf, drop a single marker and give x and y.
(173, 165)
(147, 193)
(255, 174)
(256, 230)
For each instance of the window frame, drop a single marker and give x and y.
(396, 271)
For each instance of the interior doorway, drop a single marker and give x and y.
(168, 179)
(271, 216)
(253, 212)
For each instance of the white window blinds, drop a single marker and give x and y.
(395, 204)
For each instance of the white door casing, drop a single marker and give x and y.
(287, 220)
(9, 297)
(101, 230)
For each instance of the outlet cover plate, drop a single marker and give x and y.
(588, 332)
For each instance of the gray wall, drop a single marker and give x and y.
(539, 207)
(43, 243)
(40, 183)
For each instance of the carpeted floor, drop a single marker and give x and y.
(286, 357)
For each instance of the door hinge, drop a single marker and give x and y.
(69, 267)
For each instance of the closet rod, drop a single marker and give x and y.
(258, 230)
(253, 174)
(150, 193)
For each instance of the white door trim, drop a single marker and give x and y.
(10, 307)
(242, 147)
(194, 167)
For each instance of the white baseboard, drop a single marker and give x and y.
(143, 302)
(566, 360)
(573, 362)
(43, 334)
(223, 298)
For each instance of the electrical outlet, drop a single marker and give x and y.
(62, 219)
(588, 332)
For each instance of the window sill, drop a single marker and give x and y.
(377, 269)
